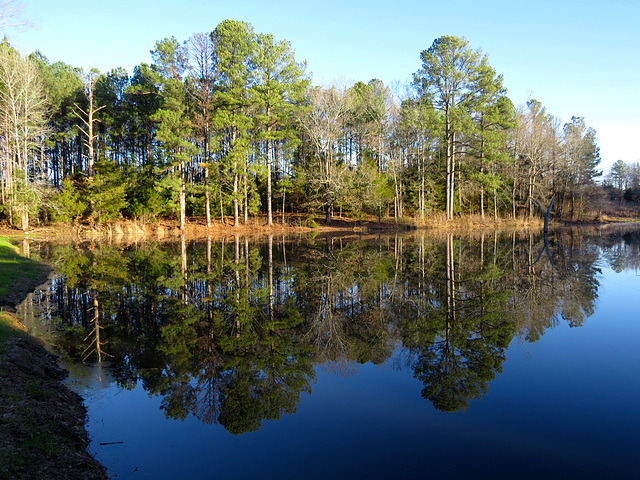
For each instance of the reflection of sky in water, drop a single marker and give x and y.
(563, 407)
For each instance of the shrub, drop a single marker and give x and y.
(70, 203)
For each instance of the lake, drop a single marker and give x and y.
(424, 355)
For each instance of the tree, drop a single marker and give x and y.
(373, 189)
(63, 89)
(107, 192)
(367, 122)
(323, 123)
(235, 45)
(22, 130)
(174, 126)
(368, 107)
(618, 177)
(537, 149)
(10, 12)
(416, 138)
(201, 86)
(280, 85)
(493, 117)
(450, 78)
(579, 162)
(145, 99)
(115, 116)
(88, 117)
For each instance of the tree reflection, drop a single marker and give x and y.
(458, 341)
(622, 252)
(340, 290)
(546, 293)
(230, 331)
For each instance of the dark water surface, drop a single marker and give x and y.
(424, 356)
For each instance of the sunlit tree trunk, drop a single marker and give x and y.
(236, 206)
(183, 195)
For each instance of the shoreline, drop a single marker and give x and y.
(42, 422)
(195, 227)
(31, 378)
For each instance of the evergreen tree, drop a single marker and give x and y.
(493, 115)
(235, 49)
(174, 123)
(279, 88)
(451, 79)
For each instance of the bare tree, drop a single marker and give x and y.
(324, 125)
(10, 15)
(201, 86)
(87, 117)
(538, 148)
(22, 128)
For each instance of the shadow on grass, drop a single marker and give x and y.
(18, 275)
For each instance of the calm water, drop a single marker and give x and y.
(450, 356)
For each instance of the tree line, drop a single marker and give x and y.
(228, 125)
(623, 181)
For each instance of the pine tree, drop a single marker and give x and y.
(451, 79)
(235, 44)
(280, 85)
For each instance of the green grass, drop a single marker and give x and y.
(14, 271)
(14, 267)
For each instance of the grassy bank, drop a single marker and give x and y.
(17, 273)
(18, 276)
(42, 432)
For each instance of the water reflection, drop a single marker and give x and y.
(231, 331)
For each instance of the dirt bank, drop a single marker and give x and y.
(42, 422)
(196, 228)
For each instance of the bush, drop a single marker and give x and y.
(311, 222)
(107, 193)
(70, 203)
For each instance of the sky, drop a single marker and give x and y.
(577, 57)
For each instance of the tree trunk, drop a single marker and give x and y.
(246, 194)
(284, 193)
(236, 212)
(25, 218)
(545, 214)
(448, 176)
(207, 197)
(207, 192)
(183, 203)
(269, 162)
(451, 169)
(90, 135)
(482, 170)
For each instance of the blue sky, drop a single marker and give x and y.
(577, 57)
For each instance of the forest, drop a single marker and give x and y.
(227, 126)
